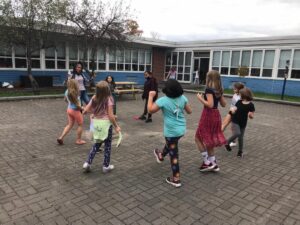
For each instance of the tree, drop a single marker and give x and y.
(94, 22)
(29, 24)
(132, 28)
(155, 35)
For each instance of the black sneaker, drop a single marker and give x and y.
(240, 154)
(228, 148)
(158, 157)
(175, 183)
(142, 117)
(149, 120)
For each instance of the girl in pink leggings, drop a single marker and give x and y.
(73, 112)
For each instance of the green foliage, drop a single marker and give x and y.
(243, 71)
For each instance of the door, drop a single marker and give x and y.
(204, 66)
(201, 65)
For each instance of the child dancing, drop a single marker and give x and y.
(172, 106)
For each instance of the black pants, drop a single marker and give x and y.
(146, 109)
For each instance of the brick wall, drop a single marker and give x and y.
(158, 63)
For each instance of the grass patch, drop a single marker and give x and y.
(269, 96)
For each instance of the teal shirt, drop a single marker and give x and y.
(173, 113)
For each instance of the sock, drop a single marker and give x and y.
(212, 159)
(204, 157)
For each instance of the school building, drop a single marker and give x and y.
(263, 60)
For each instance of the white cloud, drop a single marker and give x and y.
(201, 19)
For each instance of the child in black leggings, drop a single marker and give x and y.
(172, 106)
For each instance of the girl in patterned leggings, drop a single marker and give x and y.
(172, 106)
(101, 106)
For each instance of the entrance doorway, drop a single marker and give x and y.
(201, 65)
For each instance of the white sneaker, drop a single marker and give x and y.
(108, 169)
(232, 144)
(86, 166)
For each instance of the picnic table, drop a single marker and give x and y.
(127, 87)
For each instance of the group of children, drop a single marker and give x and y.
(210, 129)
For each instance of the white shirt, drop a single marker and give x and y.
(235, 99)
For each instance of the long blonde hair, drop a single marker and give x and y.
(73, 91)
(101, 98)
(213, 80)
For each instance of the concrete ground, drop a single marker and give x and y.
(43, 183)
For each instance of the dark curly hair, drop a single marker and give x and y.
(172, 89)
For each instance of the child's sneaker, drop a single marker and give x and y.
(149, 120)
(142, 117)
(206, 167)
(216, 168)
(158, 156)
(232, 144)
(228, 148)
(86, 166)
(108, 169)
(240, 155)
(175, 183)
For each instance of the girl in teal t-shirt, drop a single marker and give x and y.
(172, 106)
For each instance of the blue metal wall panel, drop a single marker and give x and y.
(59, 76)
(270, 86)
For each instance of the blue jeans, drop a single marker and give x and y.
(84, 97)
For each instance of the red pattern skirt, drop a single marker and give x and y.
(209, 130)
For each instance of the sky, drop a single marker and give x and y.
(191, 20)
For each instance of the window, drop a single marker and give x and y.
(174, 58)
(148, 60)
(187, 66)
(134, 60)
(5, 57)
(101, 59)
(141, 60)
(180, 65)
(246, 61)
(73, 55)
(35, 59)
(256, 63)
(93, 59)
(182, 62)
(50, 58)
(225, 62)
(120, 60)
(127, 60)
(285, 55)
(168, 63)
(216, 60)
(268, 63)
(61, 55)
(83, 56)
(20, 57)
(112, 60)
(296, 65)
(235, 61)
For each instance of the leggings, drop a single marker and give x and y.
(171, 148)
(107, 149)
(237, 132)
